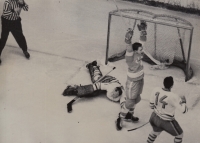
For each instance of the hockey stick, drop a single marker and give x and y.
(69, 105)
(138, 127)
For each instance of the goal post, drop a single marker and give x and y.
(169, 38)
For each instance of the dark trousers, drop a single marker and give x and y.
(15, 27)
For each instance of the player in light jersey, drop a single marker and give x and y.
(109, 84)
(164, 103)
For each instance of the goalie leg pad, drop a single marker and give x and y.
(142, 26)
(95, 72)
(85, 90)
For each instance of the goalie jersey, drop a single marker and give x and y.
(109, 84)
(165, 102)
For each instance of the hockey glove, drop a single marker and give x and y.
(142, 26)
(128, 36)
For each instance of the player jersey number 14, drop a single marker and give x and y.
(159, 101)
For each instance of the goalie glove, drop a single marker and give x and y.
(128, 36)
(142, 26)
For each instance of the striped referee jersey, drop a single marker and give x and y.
(8, 9)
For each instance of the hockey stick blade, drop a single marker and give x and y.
(137, 127)
(69, 105)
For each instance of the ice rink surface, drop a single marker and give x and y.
(62, 36)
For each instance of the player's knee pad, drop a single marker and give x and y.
(178, 139)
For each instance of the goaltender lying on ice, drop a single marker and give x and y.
(114, 89)
(101, 83)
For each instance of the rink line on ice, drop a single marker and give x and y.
(50, 54)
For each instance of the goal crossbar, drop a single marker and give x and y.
(154, 19)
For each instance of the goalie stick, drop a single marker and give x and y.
(69, 105)
(137, 127)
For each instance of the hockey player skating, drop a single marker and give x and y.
(164, 103)
(135, 76)
(108, 83)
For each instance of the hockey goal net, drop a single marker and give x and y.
(169, 38)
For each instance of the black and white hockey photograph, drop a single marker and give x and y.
(99, 71)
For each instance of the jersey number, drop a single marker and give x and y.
(161, 100)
